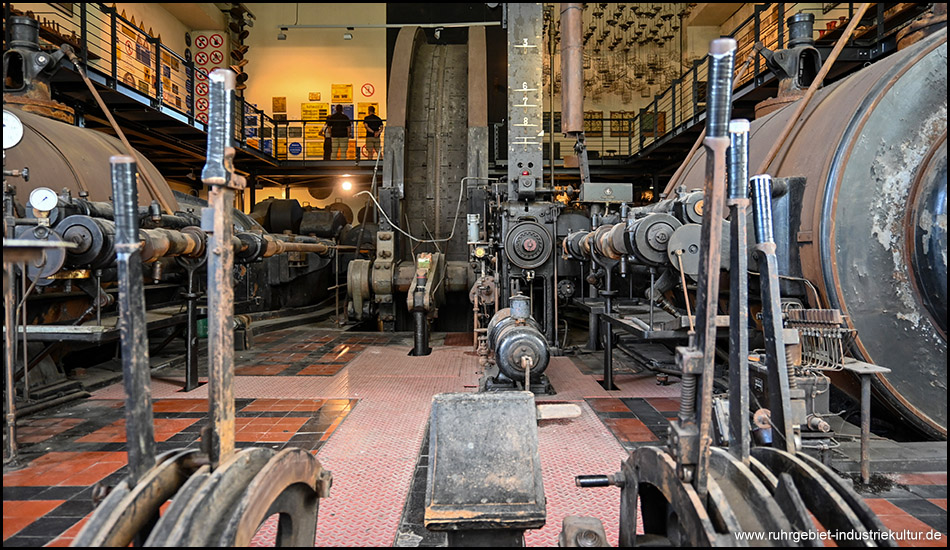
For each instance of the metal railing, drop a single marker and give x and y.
(125, 58)
(683, 104)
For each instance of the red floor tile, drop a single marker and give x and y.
(267, 430)
(18, 514)
(930, 478)
(664, 404)
(41, 429)
(165, 428)
(66, 468)
(883, 507)
(320, 370)
(271, 369)
(941, 502)
(605, 405)
(180, 405)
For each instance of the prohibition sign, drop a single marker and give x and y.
(368, 90)
(201, 104)
(129, 49)
(203, 117)
(201, 58)
(201, 89)
(216, 41)
(216, 57)
(201, 41)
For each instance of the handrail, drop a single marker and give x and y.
(146, 69)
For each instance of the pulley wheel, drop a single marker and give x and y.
(129, 513)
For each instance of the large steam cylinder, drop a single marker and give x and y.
(63, 156)
(873, 228)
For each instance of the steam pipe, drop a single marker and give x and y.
(572, 67)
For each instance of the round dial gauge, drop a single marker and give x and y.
(12, 129)
(43, 199)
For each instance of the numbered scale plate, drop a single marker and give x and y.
(525, 131)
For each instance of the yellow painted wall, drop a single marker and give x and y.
(312, 60)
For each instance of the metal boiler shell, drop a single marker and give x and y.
(864, 144)
(63, 156)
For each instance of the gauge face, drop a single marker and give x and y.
(43, 199)
(12, 129)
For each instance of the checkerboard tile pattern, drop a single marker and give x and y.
(45, 501)
(361, 404)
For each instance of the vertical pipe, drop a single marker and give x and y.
(132, 329)
(572, 68)
(9, 357)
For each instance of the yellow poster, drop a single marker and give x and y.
(315, 150)
(312, 131)
(342, 93)
(314, 96)
(362, 109)
(314, 111)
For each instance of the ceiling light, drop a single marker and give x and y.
(347, 186)
(282, 35)
(348, 35)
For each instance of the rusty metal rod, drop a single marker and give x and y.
(152, 188)
(218, 174)
(738, 203)
(806, 99)
(721, 58)
(139, 427)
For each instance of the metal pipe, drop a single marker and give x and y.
(277, 246)
(572, 68)
(139, 427)
(9, 339)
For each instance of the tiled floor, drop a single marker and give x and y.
(44, 501)
(362, 405)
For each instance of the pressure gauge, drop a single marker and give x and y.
(12, 129)
(43, 199)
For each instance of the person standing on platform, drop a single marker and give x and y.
(340, 131)
(374, 128)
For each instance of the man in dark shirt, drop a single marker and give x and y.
(374, 128)
(338, 125)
